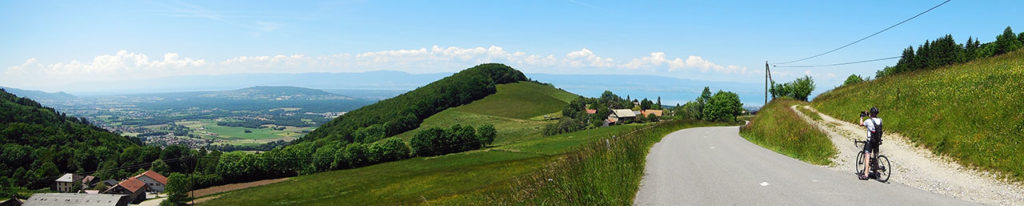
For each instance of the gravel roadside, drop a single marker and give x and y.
(917, 166)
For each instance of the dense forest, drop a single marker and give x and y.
(945, 51)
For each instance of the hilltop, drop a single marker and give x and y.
(968, 111)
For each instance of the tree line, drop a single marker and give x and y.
(946, 51)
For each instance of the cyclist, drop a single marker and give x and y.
(874, 126)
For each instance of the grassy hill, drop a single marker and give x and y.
(510, 110)
(971, 112)
(406, 111)
(521, 100)
(459, 178)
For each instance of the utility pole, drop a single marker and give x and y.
(766, 72)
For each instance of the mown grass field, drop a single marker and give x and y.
(971, 112)
(237, 135)
(510, 110)
(779, 128)
(521, 100)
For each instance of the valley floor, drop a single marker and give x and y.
(916, 166)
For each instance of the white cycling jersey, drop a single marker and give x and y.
(870, 124)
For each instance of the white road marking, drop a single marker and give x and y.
(764, 184)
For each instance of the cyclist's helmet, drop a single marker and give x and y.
(874, 111)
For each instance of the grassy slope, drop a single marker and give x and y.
(971, 112)
(509, 110)
(459, 178)
(779, 128)
(520, 148)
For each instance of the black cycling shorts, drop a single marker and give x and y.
(871, 146)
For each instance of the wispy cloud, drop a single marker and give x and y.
(256, 24)
(126, 65)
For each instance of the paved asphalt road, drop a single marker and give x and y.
(715, 166)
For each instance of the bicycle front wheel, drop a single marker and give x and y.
(884, 169)
(860, 163)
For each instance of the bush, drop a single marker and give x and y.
(177, 189)
(390, 149)
(723, 107)
(853, 79)
(564, 125)
(798, 89)
(356, 154)
(487, 134)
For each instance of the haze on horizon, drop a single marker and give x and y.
(67, 46)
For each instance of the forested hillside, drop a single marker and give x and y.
(406, 111)
(40, 143)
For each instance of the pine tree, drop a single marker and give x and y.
(1007, 42)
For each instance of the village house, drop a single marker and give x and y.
(621, 116)
(155, 182)
(46, 199)
(66, 183)
(134, 188)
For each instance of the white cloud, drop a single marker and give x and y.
(125, 65)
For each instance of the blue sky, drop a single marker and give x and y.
(49, 42)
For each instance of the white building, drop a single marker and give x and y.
(155, 181)
(67, 182)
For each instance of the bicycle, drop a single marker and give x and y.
(880, 172)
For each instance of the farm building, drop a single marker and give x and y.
(155, 182)
(134, 188)
(618, 116)
(61, 199)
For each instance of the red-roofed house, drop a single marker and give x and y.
(651, 111)
(134, 188)
(155, 181)
(591, 111)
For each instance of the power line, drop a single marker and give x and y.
(869, 36)
(837, 64)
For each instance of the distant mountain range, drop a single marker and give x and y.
(379, 85)
(34, 94)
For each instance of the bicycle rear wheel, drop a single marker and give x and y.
(884, 169)
(860, 163)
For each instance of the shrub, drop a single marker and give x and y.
(564, 125)
(723, 107)
(853, 79)
(390, 149)
(487, 133)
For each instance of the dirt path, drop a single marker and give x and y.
(231, 187)
(918, 167)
